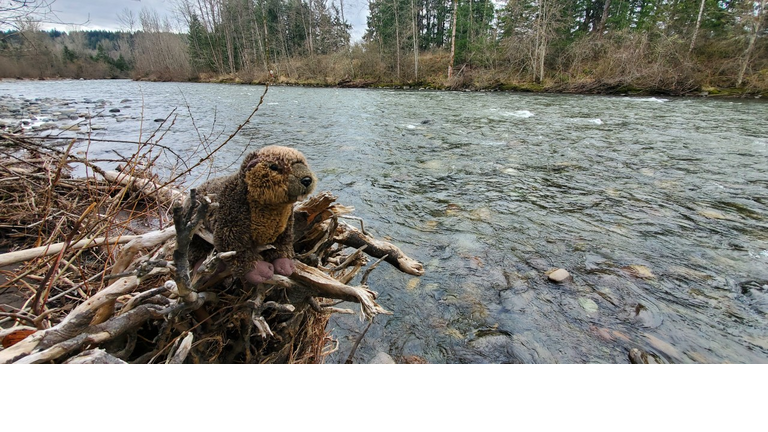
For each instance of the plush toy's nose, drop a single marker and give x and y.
(306, 181)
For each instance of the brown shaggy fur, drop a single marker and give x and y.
(256, 206)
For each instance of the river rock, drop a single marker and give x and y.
(558, 275)
(712, 214)
(588, 305)
(636, 356)
(115, 110)
(663, 346)
(639, 271)
(382, 358)
(413, 283)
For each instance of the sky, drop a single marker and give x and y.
(102, 14)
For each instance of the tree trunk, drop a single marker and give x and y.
(415, 42)
(604, 17)
(453, 38)
(698, 25)
(349, 45)
(756, 28)
(397, 37)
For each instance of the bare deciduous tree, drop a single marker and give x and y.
(756, 16)
(13, 11)
(127, 19)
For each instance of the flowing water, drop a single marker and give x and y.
(657, 207)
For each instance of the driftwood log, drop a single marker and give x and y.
(155, 309)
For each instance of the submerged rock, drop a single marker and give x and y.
(413, 283)
(588, 305)
(382, 358)
(712, 214)
(639, 271)
(637, 356)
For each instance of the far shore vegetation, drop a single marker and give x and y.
(669, 47)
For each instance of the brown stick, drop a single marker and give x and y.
(350, 236)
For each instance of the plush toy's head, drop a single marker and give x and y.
(277, 175)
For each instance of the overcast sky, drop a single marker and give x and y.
(102, 14)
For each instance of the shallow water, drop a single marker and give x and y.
(657, 207)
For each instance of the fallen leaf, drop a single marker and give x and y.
(16, 337)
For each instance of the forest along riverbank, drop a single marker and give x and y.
(657, 211)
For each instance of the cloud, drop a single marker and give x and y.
(103, 14)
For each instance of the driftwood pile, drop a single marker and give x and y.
(97, 271)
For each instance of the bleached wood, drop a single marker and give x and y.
(145, 186)
(149, 239)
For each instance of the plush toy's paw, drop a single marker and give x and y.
(261, 271)
(284, 266)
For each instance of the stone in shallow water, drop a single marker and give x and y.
(588, 305)
(712, 214)
(413, 283)
(639, 271)
(382, 358)
(558, 275)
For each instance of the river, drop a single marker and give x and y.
(657, 207)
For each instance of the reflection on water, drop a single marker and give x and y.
(657, 208)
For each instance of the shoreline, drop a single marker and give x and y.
(575, 88)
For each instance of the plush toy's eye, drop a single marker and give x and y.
(274, 167)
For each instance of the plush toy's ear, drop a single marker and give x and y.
(252, 163)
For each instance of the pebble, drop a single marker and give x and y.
(115, 110)
(558, 275)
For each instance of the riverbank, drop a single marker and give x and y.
(482, 81)
(485, 82)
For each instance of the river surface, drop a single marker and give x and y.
(657, 207)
